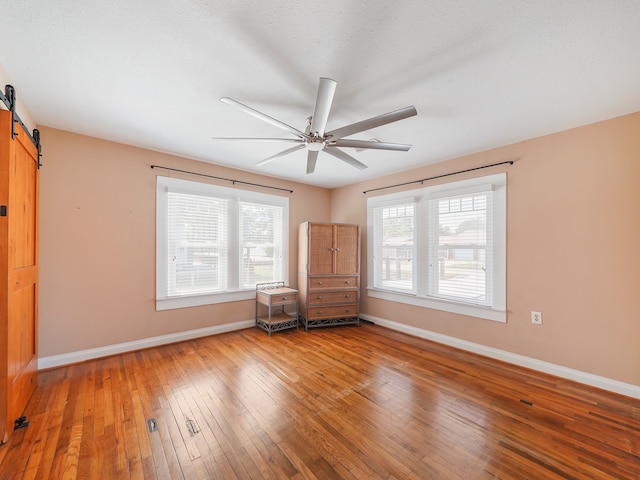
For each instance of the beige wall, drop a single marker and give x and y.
(97, 243)
(573, 233)
(573, 249)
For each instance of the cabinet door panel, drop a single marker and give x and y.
(347, 243)
(321, 250)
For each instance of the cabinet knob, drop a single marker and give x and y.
(337, 249)
(347, 282)
(319, 312)
(319, 297)
(284, 298)
(330, 249)
(319, 283)
(347, 296)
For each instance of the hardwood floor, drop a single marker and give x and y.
(347, 402)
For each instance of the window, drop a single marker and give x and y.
(393, 246)
(442, 247)
(215, 243)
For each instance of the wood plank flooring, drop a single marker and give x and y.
(340, 403)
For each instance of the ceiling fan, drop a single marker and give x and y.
(315, 139)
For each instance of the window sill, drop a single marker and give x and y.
(453, 307)
(199, 300)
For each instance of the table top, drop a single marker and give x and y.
(277, 291)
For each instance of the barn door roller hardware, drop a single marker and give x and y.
(9, 99)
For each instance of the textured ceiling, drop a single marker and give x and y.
(480, 73)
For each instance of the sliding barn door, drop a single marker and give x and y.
(19, 272)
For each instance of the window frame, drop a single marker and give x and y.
(234, 292)
(420, 294)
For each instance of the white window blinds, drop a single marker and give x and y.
(260, 244)
(393, 246)
(197, 241)
(443, 247)
(460, 239)
(213, 240)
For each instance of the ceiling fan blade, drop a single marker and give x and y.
(280, 154)
(324, 99)
(373, 122)
(312, 157)
(370, 144)
(345, 157)
(257, 139)
(263, 117)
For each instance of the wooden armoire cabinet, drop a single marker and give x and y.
(329, 274)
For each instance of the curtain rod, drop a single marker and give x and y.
(510, 162)
(221, 178)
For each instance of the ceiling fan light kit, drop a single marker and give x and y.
(315, 139)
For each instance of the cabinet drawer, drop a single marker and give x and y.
(277, 299)
(331, 298)
(316, 283)
(333, 312)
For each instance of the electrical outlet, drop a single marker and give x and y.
(536, 318)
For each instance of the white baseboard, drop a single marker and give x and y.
(92, 353)
(559, 371)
